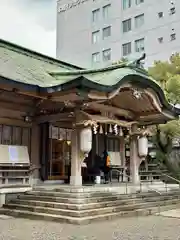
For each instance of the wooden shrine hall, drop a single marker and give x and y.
(61, 112)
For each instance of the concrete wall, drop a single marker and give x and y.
(75, 27)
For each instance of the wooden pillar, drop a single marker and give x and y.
(76, 176)
(134, 158)
(123, 157)
(44, 150)
(35, 151)
(122, 151)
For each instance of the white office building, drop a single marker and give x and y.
(98, 32)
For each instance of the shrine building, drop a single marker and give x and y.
(54, 114)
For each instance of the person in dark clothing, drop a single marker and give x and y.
(106, 164)
(88, 159)
(92, 169)
(97, 165)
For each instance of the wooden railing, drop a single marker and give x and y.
(16, 174)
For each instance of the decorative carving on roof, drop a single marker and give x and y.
(141, 131)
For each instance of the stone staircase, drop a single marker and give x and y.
(78, 207)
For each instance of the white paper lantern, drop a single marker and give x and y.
(86, 140)
(143, 146)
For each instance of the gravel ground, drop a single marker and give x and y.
(153, 227)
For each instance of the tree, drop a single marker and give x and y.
(167, 75)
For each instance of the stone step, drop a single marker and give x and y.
(90, 212)
(80, 200)
(86, 189)
(122, 189)
(75, 206)
(93, 205)
(100, 194)
(72, 195)
(68, 200)
(95, 188)
(85, 220)
(92, 194)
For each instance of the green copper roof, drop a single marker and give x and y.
(105, 76)
(26, 66)
(31, 71)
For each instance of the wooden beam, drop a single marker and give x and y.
(33, 95)
(146, 113)
(107, 108)
(63, 93)
(63, 124)
(30, 94)
(15, 106)
(14, 122)
(53, 117)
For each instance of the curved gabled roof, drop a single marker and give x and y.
(30, 71)
(109, 79)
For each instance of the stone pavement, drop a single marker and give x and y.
(143, 228)
(175, 213)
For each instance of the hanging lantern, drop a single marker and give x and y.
(110, 128)
(101, 129)
(143, 146)
(115, 129)
(86, 140)
(95, 129)
(120, 132)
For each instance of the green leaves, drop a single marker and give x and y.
(167, 75)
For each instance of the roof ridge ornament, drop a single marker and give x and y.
(138, 62)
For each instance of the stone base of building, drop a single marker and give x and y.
(7, 193)
(83, 205)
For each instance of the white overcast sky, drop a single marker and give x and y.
(30, 23)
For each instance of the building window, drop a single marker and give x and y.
(126, 25)
(160, 39)
(7, 135)
(113, 144)
(95, 15)
(173, 36)
(107, 55)
(14, 135)
(60, 141)
(95, 57)
(139, 45)
(126, 48)
(160, 14)
(139, 2)
(139, 21)
(95, 37)
(25, 136)
(172, 10)
(106, 11)
(126, 4)
(106, 32)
